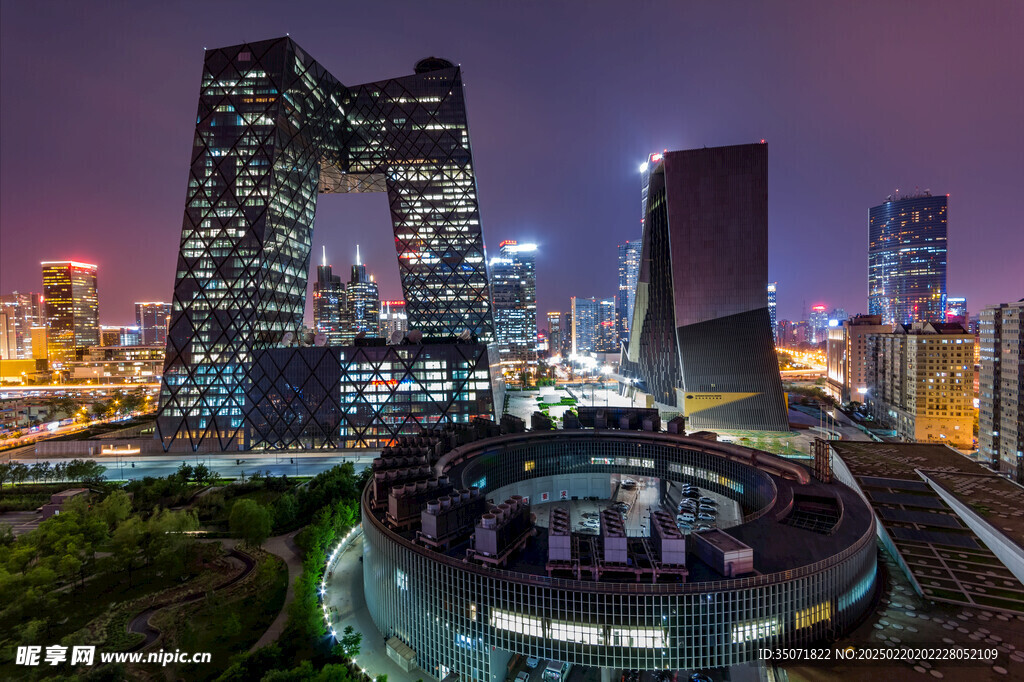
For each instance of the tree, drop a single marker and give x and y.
(250, 521)
(6, 474)
(116, 508)
(127, 543)
(349, 643)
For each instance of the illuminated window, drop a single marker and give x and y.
(814, 614)
(755, 629)
(518, 623)
(402, 579)
(529, 465)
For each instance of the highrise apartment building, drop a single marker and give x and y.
(907, 259)
(152, 318)
(274, 130)
(921, 382)
(514, 293)
(72, 309)
(629, 268)
(1001, 388)
(701, 340)
(23, 311)
(848, 356)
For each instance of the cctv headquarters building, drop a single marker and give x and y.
(274, 131)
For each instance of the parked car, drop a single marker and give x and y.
(532, 662)
(701, 526)
(628, 483)
(692, 494)
(703, 516)
(707, 509)
(687, 516)
(523, 677)
(708, 500)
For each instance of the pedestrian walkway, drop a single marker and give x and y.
(284, 547)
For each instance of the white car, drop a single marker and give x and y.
(523, 676)
(687, 516)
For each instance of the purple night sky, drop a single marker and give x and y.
(565, 101)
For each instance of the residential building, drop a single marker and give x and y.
(406, 136)
(629, 268)
(701, 340)
(848, 356)
(907, 259)
(72, 309)
(152, 318)
(514, 292)
(920, 382)
(1001, 388)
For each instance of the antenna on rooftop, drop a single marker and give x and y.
(357, 255)
(325, 255)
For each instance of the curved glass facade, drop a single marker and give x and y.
(465, 618)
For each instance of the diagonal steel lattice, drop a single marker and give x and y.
(273, 131)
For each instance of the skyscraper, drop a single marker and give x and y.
(72, 308)
(554, 333)
(584, 325)
(772, 307)
(273, 131)
(701, 339)
(818, 322)
(514, 289)
(24, 311)
(152, 319)
(362, 301)
(1001, 388)
(629, 266)
(607, 335)
(393, 318)
(328, 304)
(907, 259)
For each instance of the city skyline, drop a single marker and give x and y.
(867, 154)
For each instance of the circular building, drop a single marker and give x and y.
(476, 557)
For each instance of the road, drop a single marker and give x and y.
(228, 466)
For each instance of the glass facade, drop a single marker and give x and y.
(364, 395)
(514, 287)
(462, 617)
(907, 259)
(152, 320)
(273, 131)
(629, 267)
(584, 316)
(72, 309)
(329, 306)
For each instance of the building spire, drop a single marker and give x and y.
(357, 255)
(325, 256)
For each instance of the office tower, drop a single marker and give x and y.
(72, 309)
(40, 343)
(584, 325)
(275, 130)
(956, 311)
(772, 306)
(907, 259)
(110, 336)
(818, 323)
(848, 356)
(702, 337)
(837, 316)
(921, 382)
(607, 335)
(554, 334)
(514, 291)
(24, 311)
(362, 301)
(152, 318)
(629, 266)
(393, 318)
(783, 333)
(1001, 388)
(328, 302)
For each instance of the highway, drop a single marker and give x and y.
(140, 466)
